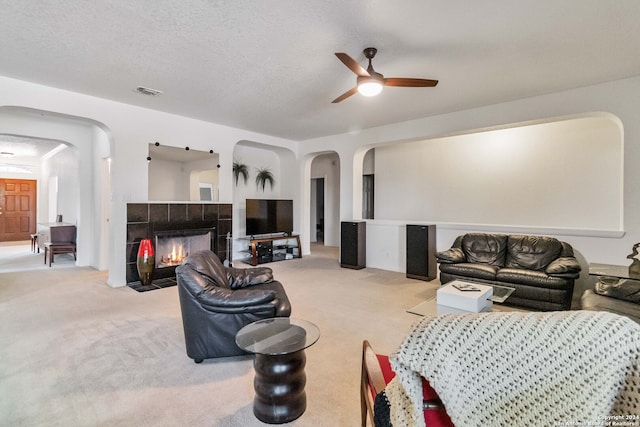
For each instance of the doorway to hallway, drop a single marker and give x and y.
(317, 210)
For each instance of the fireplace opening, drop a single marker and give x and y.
(174, 246)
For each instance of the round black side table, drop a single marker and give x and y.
(278, 345)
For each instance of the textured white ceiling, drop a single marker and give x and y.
(25, 149)
(268, 66)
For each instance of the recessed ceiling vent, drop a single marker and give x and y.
(148, 91)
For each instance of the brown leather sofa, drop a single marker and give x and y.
(217, 301)
(541, 269)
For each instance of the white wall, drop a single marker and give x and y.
(198, 177)
(544, 175)
(369, 162)
(100, 197)
(65, 166)
(168, 181)
(178, 181)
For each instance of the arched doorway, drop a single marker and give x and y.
(80, 169)
(324, 199)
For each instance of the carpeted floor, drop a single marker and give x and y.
(17, 256)
(75, 352)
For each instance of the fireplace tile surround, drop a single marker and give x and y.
(145, 218)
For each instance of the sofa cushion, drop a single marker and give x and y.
(531, 252)
(478, 271)
(485, 248)
(217, 297)
(627, 290)
(564, 267)
(531, 278)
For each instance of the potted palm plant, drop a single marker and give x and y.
(240, 169)
(264, 176)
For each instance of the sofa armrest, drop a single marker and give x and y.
(567, 267)
(243, 277)
(227, 298)
(451, 256)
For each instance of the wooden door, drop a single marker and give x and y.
(17, 209)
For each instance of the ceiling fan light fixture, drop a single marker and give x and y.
(370, 82)
(369, 86)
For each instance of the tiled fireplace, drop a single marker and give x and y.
(176, 229)
(172, 246)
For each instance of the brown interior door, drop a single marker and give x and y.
(17, 209)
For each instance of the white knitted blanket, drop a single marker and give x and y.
(520, 369)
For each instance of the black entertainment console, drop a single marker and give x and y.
(270, 249)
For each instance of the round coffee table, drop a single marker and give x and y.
(278, 345)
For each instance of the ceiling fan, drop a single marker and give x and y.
(369, 82)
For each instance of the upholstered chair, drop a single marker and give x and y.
(217, 301)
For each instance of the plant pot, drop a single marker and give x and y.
(146, 262)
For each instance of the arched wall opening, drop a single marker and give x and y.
(324, 199)
(82, 174)
(281, 162)
(328, 167)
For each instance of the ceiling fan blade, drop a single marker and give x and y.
(345, 95)
(403, 82)
(352, 64)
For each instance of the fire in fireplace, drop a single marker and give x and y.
(174, 246)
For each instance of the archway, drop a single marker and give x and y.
(85, 173)
(327, 168)
(324, 199)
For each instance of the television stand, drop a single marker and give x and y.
(270, 249)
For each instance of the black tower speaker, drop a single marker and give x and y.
(421, 252)
(353, 244)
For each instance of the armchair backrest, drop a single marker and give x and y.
(208, 264)
(63, 234)
(192, 281)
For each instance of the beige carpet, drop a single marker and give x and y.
(75, 352)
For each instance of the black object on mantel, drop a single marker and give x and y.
(421, 252)
(353, 244)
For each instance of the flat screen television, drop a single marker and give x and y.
(266, 216)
